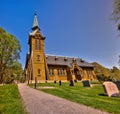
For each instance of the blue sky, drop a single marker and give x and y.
(79, 28)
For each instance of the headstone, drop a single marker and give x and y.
(60, 82)
(71, 83)
(86, 83)
(55, 81)
(110, 89)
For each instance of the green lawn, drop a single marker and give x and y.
(10, 100)
(93, 96)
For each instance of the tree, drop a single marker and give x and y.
(9, 52)
(116, 15)
(13, 72)
(115, 73)
(17, 70)
(104, 74)
(116, 12)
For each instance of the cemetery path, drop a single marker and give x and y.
(38, 102)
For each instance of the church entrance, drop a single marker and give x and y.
(77, 74)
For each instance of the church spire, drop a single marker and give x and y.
(35, 22)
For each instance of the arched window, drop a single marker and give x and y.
(61, 71)
(38, 72)
(51, 71)
(38, 57)
(37, 44)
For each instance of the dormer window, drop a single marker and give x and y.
(81, 60)
(46, 57)
(56, 58)
(65, 58)
(74, 60)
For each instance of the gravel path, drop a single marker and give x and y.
(38, 102)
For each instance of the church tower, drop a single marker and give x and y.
(37, 54)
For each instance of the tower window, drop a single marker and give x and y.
(38, 57)
(37, 44)
(38, 72)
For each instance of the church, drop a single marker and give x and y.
(45, 67)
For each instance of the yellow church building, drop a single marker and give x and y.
(45, 67)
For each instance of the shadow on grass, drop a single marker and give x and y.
(114, 95)
(102, 94)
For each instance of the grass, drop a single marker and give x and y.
(93, 96)
(10, 100)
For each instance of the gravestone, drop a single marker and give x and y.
(71, 83)
(110, 89)
(86, 83)
(60, 82)
(55, 81)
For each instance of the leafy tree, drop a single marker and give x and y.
(115, 73)
(13, 73)
(17, 70)
(9, 52)
(116, 15)
(116, 10)
(7, 76)
(104, 74)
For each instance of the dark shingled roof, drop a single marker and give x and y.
(66, 61)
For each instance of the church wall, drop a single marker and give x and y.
(39, 71)
(57, 73)
(88, 74)
(69, 76)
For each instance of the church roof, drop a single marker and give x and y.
(66, 61)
